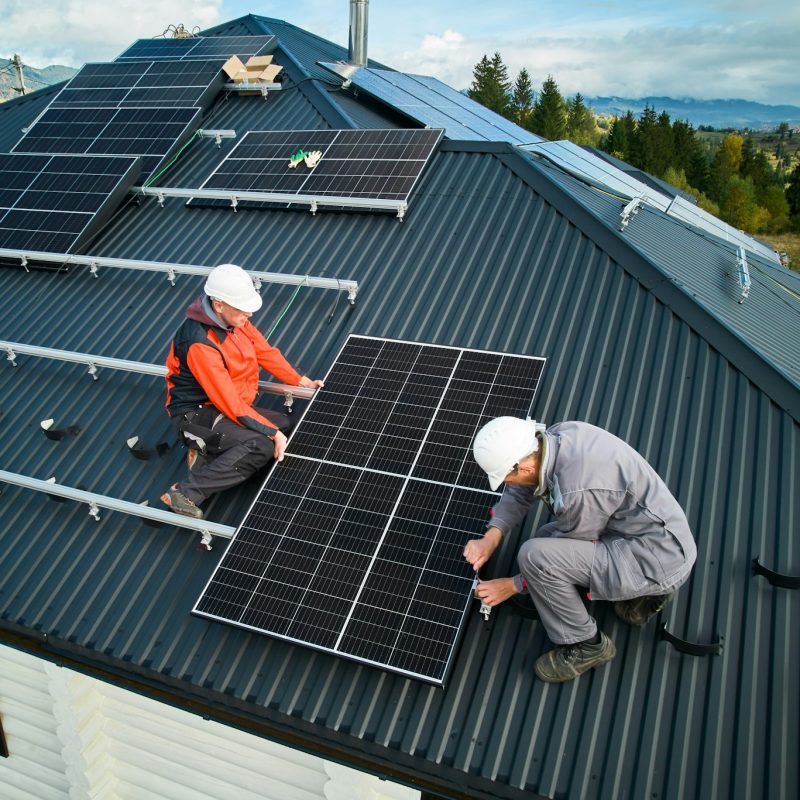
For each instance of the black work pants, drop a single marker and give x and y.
(234, 453)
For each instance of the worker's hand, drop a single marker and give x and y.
(495, 592)
(279, 442)
(307, 383)
(478, 551)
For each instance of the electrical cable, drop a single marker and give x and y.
(283, 313)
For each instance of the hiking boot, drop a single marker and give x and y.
(640, 609)
(180, 503)
(568, 661)
(195, 459)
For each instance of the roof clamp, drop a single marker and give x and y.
(11, 356)
(93, 268)
(288, 402)
(24, 263)
(171, 275)
(160, 198)
(264, 92)
(205, 541)
(630, 211)
(744, 274)
(257, 283)
(486, 610)
(94, 511)
(234, 202)
(401, 211)
(351, 294)
(313, 207)
(93, 370)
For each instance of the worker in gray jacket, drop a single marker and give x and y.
(617, 530)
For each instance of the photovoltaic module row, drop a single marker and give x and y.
(55, 203)
(153, 133)
(143, 83)
(354, 544)
(369, 164)
(198, 48)
(434, 104)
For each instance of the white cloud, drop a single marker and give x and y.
(73, 32)
(753, 61)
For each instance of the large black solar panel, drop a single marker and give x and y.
(143, 83)
(198, 48)
(434, 104)
(152, 133)
(354, 544)
(368, 164)
(55, 203)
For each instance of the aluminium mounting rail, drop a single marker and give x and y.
(97, 501)
(313, 201)
(171, 270)
(93, 362)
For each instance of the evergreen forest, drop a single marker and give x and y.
(729, 176)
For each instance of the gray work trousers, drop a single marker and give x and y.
(554, 569)
(234, 453)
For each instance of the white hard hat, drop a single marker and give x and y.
(233, 286)
(503, 442)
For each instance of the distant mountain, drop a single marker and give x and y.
(718, 113)
(34, 78)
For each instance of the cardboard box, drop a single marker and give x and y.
(259, 62)
(232, 67)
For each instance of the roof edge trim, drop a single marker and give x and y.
(752, 365)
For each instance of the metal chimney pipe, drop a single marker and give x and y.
(359, 22)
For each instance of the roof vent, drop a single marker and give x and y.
(359, 22)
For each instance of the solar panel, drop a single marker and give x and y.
(54, 203)
(354, 544)
(367, 164)
(143, 83)
(198, 48)
(434, 104)
(152, 133)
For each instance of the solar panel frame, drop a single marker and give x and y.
(155, 134)
(197, 48)
(368, 164)
(55, 203)
(379, 579)
(433, 103)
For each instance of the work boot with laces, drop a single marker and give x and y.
(568, 661)
(180, 503)
(639, 610)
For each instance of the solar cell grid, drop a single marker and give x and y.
(152, 133)
(196, 48)
(51, 203)
(354, 545)
(377, 164)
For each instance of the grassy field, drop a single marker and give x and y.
(788, 243)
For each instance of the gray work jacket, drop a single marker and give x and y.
(600, 489)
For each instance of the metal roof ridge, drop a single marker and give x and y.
(751, 363)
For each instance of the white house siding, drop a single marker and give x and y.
(71, 736)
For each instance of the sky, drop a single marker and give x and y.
(706, 49)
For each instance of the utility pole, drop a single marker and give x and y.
(17, 62)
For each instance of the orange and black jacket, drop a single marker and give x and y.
(211, 364)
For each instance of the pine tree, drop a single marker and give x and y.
(645, 144)
(490, 84)
(522, 99)
(620, 137)
(664, 155)
(581, 126)
(793, 194)
(549, 118)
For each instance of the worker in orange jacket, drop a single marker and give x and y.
(212, 383)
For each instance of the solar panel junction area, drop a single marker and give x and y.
(354, 544)
(369, 166)
(54, 203)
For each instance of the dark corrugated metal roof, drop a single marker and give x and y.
(494, 253)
